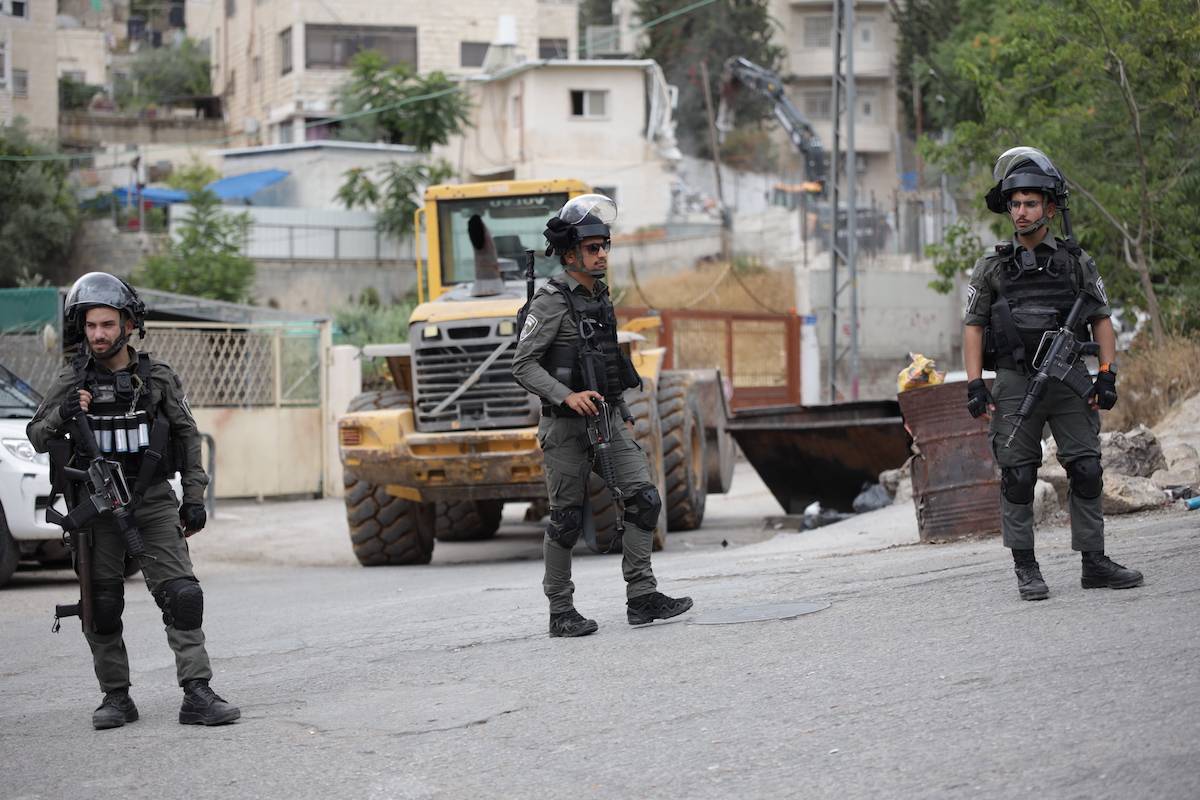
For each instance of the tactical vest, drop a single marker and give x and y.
(122, 415)
(1038, 297)
(563, 360)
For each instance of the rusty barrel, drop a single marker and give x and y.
(956, 485)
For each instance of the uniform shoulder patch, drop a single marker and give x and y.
(531, 325)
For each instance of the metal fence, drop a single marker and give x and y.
(758, 353)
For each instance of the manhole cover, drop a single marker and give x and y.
(732, 616)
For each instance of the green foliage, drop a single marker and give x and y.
(954, 256)
(74, 95)
(162, 74)
(367, 321)
(395, 192)
(712, 34)
(38, 212)
(206, 260)
(390, 91)
(194, 176)
(750, 149)
(1110, 90)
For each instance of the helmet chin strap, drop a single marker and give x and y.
(1028, 229)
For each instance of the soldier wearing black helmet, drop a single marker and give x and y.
(113, 383)
(547, 363)
(1020, 291)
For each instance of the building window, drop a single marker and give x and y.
(20, 83)
(552, 48)
(17, 8)
(818, 104)
(866, 31)
(256, 69)
(231, 83)
(472, 54)
(285, 132)
(818, 30)
(868, 106)
(589, 103)
(285, 51)
(77, 75)
(230, 8)
(332, 46)
(3, 76)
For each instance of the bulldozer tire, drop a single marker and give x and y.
(683, 444)
(468, 520)
(647, 432)
(386, 530)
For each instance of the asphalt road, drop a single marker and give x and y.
(926, 677)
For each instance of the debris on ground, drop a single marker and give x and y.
(872, 497)
(920, 372)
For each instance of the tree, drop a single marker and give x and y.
(38, 212)
(206, 259)
(164, 74)
(1110, 90)
(397, 106)
(74, 95)
(713, 34)
(194, 176)
(395, 193)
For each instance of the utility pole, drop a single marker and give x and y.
(843, 258)
(714, 143)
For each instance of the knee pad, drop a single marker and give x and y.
(1087, 477)
(642, 507)
(565, 526)
(182, 603)
(1017, 483)
(108, 602)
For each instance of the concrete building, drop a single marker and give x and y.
(806, 33)
(84, 54)
(28, 73)
(607, 123)
(278, 63)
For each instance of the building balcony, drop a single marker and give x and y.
(818, 62)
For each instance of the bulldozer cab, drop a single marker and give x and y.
(515, 212)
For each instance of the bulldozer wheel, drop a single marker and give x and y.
(468, 520)
(683, 453)
(647, 432)
(386, 530)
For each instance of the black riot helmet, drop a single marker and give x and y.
(101, 289)
(583, 217)
(1027, 169)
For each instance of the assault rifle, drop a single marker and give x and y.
(599, 428)
(1056, 357)
(107, 493)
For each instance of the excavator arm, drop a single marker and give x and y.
(739, 71)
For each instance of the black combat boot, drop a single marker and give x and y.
(203, 706)
(571, 623)
(1101, 572)
(1029, 576)
(656, 605)
(115, 710)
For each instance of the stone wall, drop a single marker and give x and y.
(98, 246)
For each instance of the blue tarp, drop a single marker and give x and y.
(245, 186)
(152, 195)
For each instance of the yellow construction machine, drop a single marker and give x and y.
(437, 455)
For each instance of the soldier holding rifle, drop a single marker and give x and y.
(130, 429)
(1030, 304)
(568, 356)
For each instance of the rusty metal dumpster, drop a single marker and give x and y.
(956, 485)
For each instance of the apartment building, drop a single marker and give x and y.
(806, 33)
(278, 63)
(28, 73)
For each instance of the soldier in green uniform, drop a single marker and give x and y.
(113, 384)
(548, 364)
(1023, 289)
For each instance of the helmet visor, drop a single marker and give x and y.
(1017, 156)
(597, 205)
(98, 289)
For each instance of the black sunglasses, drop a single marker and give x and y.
(596, 247)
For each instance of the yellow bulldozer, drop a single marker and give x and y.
(438, 454)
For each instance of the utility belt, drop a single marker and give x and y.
(1008, 362)
(562, 411)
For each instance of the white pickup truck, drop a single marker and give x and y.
(24, 485)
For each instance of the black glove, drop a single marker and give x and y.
(978, 397)
(192, 516)
(69, 407)
(1105, 389)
